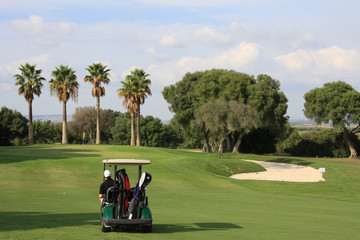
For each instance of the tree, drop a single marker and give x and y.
(44, 132)
(29, 82)
(13, 127)
(98, 75)
(84, 120)
(142, 91)
(128, 93)
(64, 86)
(214, 116)
(338, 103)
(120, 131)
(153, 132)
(241, 119)
(221, 118)
(135, 89)
(196, 89)
(271, 103)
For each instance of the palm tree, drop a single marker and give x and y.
(141, 92)
(29, 82)
(127, 92)
(64, 86)
(135, 89)
(98, 75)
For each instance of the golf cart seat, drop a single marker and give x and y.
(112, 195)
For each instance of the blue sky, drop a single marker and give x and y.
(303, 44)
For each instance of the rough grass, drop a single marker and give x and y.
(50, 192)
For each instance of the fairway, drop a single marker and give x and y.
(51, 192)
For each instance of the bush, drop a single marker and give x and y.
(13, 127)
(44, 132)
(324, 143)
(19, 141)
(288, 140)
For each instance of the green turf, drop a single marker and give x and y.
(51, 192)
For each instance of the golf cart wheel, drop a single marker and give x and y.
(146, 229)
(103, 228)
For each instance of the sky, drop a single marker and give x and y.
(303, 44)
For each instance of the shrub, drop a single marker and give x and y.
(324, 143)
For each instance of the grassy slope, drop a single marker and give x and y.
(50, 191)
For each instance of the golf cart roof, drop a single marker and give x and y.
(126, 161)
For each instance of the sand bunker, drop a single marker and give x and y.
(282, 172)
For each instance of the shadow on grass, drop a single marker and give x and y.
(173, 228)
(296, 161)
(14, 221)
(27, 153)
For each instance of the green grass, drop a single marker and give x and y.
(51, 192)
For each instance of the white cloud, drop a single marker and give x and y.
(65, 28)
(132, 68)
(10, 69)
(209, 35)
(320, 66)
(36, 25)
(168, 41)
(239, 57)
(338, 58)
(327, 59)
(296, 60)
(235, 57)
(150, 52)
(32, 26)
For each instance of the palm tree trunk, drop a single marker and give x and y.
(31, 131)
(132, 143)
(349, 142)
(64, 127)
(98, 120)
(138, 128)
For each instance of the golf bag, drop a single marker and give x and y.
(139, 195)
(122, 201)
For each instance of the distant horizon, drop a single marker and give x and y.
(69, 117)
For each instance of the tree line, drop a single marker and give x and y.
(115, 129)
(216, 110)
(64, 85)
(239, 112)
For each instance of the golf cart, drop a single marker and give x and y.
(125, 206)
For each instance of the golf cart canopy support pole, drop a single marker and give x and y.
(103, 173)
(115, 175)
